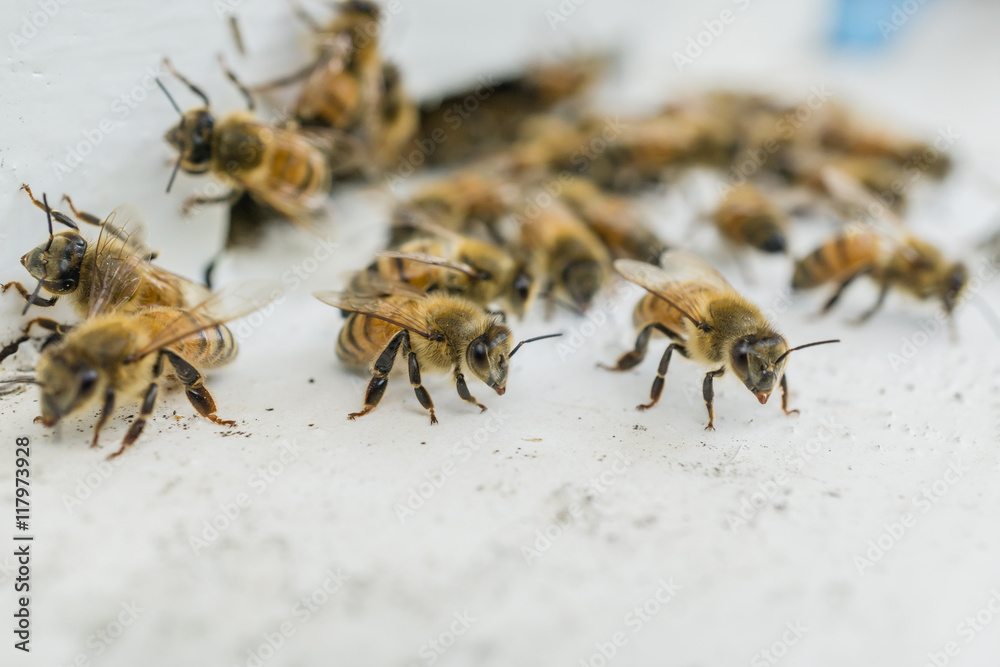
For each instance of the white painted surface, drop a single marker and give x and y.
(869, 438)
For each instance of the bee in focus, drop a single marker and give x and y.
(479, 271)
(436, 333)
(284, 168)
(120, 354)
(747, 217)
(882, 250)
(67, 264)
(349, 87)
(564, 252)
(708, 322)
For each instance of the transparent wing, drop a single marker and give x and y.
(120, 250)
(229, 303)
(681, 281)
(433, 260)
(379, 308)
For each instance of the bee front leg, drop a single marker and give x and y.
(463, 390)
(784, 396)
(708, 392)
(413, 368)
(89, 218)
(661, 372)
(39, 301)
(135, 430)
(194, 387)
(380, 375)
(197, 200)
(106, 411)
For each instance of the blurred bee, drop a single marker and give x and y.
(67, 264)
(118, 353)
(349, 88)
(613, 219)
(470, 203)
(747, 217)
(434, 332)
(882, 250)
(284, 168)
(707, 322)
(571, 258)
(446, 261)
(488, 118)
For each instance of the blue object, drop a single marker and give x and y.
(870, 24)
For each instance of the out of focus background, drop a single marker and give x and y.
(562, 526)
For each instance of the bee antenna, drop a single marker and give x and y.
(173, 174)
(802, 347)
(34, 295)
(194, 89)
(48, 214)
(531, 340)
(169, 97)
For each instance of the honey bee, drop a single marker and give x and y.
(348, 87)
(470, 203)
(118, 353)
(709, 323)
(883, 250)
(285, 168)
(571, 258)
(434, 332)
(489, 117)
(748, 217)
(613, 219)
(446, 261)
(67, 265)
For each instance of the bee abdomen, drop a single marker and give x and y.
(837, 259)
(211, 347)
(355, 343)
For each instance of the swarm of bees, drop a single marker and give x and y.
(540, 206)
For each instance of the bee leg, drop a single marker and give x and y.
(39, 301)
(89, 218)
(45, 323)
(634, 357)
(380, 375)
(304, 16)
(56, 215)
(194, 387)
(708, 392)
(106, 410)
(413, 368)
(463, 391)
(135, 430)
(784, 396)
(236, 82)
(286, 80)
(865, 316)
(196, 200)
(840, 290)
(661, 372)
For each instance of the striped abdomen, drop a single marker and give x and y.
(295, 170)
(210, 347)
(836, 260)
(362, 338)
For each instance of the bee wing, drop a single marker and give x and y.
(227, 304)
(433, 260)
(344, 152)
(680, 281)
(120, 249)
(371, 284)
(376, 307)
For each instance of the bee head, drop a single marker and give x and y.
(361, 10)
(192, 137)
(521, 291)
(759, 362)
(56, 263)
(67, 385)
(488, 354)
(582, 279)
(767, 235)
(955, 280)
